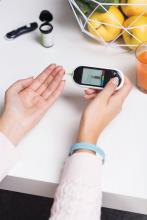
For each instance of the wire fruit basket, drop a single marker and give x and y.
(113, 23)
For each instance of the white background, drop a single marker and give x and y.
(44, 150)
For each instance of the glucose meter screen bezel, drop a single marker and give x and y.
(108, 74)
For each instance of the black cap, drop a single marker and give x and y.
(46, 16)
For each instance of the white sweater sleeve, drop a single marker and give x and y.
(8, 156)
(79, 194)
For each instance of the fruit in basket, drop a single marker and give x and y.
(105, 28)
(138, 29)
(83, 6)
(87, 6)
(116, 2)
(130, 10)
(101, 9)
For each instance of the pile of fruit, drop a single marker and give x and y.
(126, 19)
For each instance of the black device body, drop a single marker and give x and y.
(22, 30)
(106, 76)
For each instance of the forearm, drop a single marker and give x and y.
(79, 193)
(11, 129)
(86, 134)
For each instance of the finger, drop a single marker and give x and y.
(109, 89)
(47, 82)
(54, 96)
(124, 91)
(42, 77)
(54, 84)
(92, 96)
(19, 86)
(90, 91)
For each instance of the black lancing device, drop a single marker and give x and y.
(22, 30)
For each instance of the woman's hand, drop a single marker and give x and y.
(101, 110)
(26, 102)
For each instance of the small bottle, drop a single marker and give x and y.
(46, 29)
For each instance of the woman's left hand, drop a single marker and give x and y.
(26, 102)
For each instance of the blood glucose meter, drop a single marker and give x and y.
(96, 78)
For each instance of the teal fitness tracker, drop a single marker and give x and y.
(87, 146)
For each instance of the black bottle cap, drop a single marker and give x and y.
(46, 16)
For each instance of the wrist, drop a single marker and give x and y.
(88, 132)
(87, 138)
(11, 129)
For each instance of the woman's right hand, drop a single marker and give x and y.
(27, 101)
(102, 109)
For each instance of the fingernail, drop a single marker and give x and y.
(115, 81)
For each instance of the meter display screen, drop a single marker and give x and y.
(93, 77)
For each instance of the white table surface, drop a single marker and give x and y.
(44, 150)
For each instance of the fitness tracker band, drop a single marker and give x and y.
(87, 146)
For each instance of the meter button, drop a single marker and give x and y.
(119, 78)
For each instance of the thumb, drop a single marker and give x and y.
(109, 88)
(19, 85)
